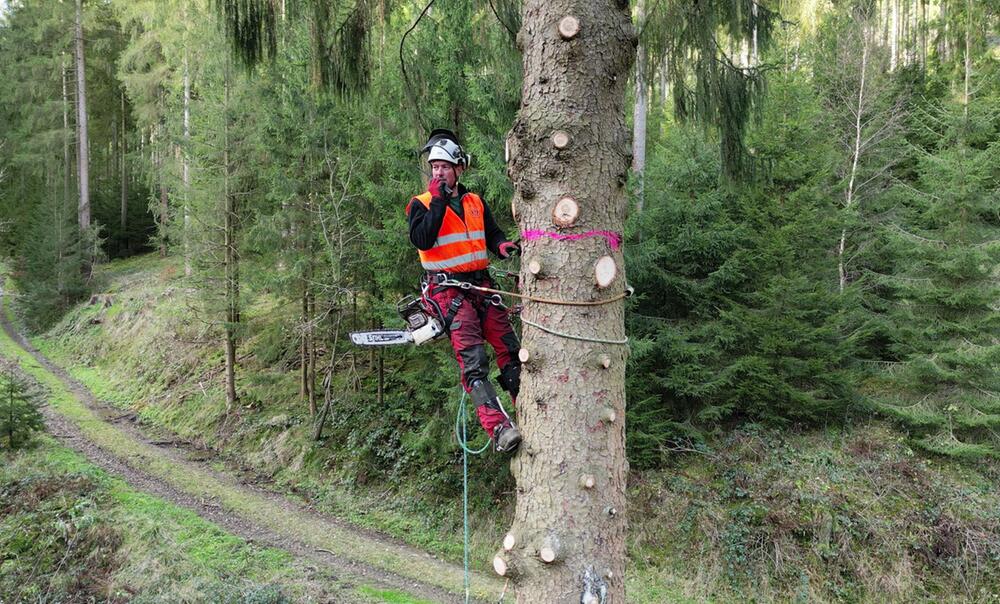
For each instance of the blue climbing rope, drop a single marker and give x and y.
(461, 432)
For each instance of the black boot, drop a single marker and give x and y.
(506, 436)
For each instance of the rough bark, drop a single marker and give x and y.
(67, 168)
(83, 152)
(232, 268)
(124, 169)
(574, 83)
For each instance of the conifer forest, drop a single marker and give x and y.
(756, 291)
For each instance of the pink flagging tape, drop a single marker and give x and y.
(614, 239)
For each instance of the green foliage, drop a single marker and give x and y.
(53, 255)
(19, 414)
(734, 318)
(943, 382)
(37, 127)
(712, 58)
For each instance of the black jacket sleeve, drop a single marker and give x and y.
(494, 235)
(425, 223)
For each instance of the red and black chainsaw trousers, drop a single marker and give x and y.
(476, 321)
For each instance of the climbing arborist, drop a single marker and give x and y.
(453, 229)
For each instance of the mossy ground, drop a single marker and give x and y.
(848, 514)
(69, 532)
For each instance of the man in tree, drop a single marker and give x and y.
(452, 229)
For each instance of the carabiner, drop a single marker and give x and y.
(496, 300)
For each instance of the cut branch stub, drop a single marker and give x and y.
(605, 271)
(565, 212)
(503, 564)
(569, 26)
(609, 415)
(525, 356)
(602, 360)
(550, 549)
(560, 139)
(587, 481)
(508, 542)
(540, 265)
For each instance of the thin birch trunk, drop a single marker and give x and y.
(856, 153)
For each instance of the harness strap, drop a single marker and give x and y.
(453, 307)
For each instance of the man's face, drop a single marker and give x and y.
(446, 171)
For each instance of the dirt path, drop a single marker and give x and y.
(113, 442)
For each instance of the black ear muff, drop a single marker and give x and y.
(438, 134)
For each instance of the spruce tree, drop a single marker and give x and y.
(943, 380)
(19, 414)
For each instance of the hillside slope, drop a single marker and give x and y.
(849, 513)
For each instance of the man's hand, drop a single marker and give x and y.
(438, 188)
(508, 249)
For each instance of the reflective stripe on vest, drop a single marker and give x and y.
(453, 262)
(461, 244)
(446, 239)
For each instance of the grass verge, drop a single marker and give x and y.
(71, 532)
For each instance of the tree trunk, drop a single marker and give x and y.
(185, 166)
(232, 269)
(67, 167)
(968, 57)
(312, 354)
(922, 33)
(124, 168)
(163, 208)
(855, 157)
(639, 116)
(944, 49)
(567, 542)
(307, 370)
(83, 153)
(894, 36)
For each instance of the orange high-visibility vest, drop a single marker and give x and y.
(460, 246)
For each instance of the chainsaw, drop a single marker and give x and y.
(421, 327)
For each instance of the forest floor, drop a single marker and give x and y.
(184, 475)
(846, 511)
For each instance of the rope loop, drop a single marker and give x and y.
(461, 433)
(629, 290)
(562, 334)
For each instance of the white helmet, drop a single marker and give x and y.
(442, 145)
